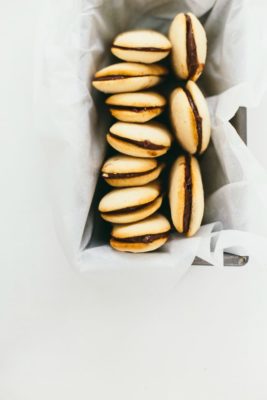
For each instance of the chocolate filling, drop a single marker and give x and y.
(142, 239)
(117, 77)
(191, 49)
(145, 144)
(188, 194)
(198, 119)
(133, 109)
(110, 175)
(110, 77)
(132, 208)
(152, 49)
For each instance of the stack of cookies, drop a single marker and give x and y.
(134, 173)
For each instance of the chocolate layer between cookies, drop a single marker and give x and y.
(188, 194)
(130, 209)
(197, 117)
(117, 77)
(142, 239)
(110, 77)
(145, 144)
(191, 49)
(109, 175)
(134, 109)
(152, 49)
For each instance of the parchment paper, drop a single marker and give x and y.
(74, 42)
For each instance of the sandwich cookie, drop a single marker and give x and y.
(123, 171)
(140, 140)
(142, 236)
(190, 118)
(186, 195)
(128, 77)
(145, 46)
(122, 206)
(189, 46)
(136, 107)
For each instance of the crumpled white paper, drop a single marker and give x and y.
(74, 42)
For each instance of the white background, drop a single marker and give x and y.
(116, 336)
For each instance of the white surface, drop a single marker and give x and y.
(66, 336)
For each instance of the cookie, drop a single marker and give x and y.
(140, 140)
(143, 236)
(136, 107)
(190, 118)
(128, 77)
(189, 46)
(146, 46)
(125, 171)
(131, 204)
(186, 195)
